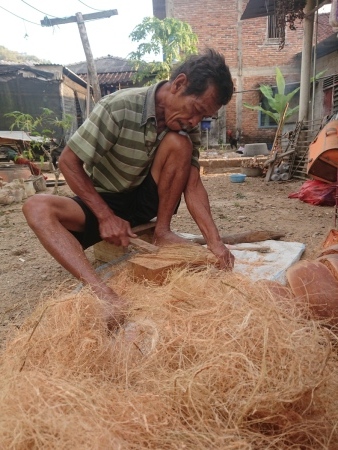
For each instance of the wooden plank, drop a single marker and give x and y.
(145, 227)
(245, 236)
(105, 252)
(152, 269)
(143, 245)
(155, 266)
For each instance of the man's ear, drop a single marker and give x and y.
(179, 84)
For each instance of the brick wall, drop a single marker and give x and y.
(251, 57)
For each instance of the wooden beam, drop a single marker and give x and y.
(244, 236)
(49, 22)
(80, 20)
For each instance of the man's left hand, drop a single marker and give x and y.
(226, 259)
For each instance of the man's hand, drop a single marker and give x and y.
(226, 259)
(115, 230)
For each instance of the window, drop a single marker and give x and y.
(273, 30)
(330, 88)
(265, 121)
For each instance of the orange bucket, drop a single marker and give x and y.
(323, 154)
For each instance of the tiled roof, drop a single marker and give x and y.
(112, 78)
(111, 70)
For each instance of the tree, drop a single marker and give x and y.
(16, 57)
(42, 127)
(170, 38)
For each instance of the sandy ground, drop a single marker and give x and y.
(29, 274)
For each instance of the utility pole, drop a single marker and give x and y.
(305, 73)
(80, 19)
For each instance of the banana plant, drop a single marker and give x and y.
(277, 101)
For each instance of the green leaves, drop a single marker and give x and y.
(43, 126)
(277, 101)
(280, 81)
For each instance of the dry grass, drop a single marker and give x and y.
(203, 362)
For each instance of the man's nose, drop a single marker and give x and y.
(194, 121)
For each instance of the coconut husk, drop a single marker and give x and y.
(203, 361)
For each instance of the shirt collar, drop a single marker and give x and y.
(149, 110)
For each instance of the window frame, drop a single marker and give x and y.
(263, 117)
(272, 33)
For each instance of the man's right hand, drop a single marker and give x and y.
(115, 230)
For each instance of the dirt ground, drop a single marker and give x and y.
(28, 273)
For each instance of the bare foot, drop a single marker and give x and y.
(167, 238)
(114, 307)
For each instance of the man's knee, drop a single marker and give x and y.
(175, 147)
(35, 207)
(42, 211)
(175, 141)
(32, 205)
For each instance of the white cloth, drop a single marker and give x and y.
(271, 265)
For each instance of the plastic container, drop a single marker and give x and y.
(275, 177)
(252, 171)
(237, 177)
(284, 176)
(39, 183)
(29, 187)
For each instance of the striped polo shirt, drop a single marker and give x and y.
(118, 141)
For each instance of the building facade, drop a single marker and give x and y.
(251, 49)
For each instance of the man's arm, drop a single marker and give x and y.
(197, 201)
(113, 229)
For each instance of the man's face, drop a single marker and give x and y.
(184, 112)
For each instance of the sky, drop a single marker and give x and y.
(21, 31)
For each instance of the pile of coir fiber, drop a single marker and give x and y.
(203, 362)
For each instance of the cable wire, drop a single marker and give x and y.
(50, 15)
(101, 10)
(25, 20)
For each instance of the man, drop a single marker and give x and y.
(130, 162)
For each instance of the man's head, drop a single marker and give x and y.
(199, 87)
(206, 69)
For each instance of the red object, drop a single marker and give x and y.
(317, 193)
(33, 167)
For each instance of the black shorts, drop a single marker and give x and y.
(137, 207)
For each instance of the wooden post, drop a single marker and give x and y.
(92, 74)
(80, 19)
(305, 73)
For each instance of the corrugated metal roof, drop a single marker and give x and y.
(258, 8)
(261, 8)
(19, 136)
(325, 47)
(13, 69)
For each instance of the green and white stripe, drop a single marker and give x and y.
(118, 141)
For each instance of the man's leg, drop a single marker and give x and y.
(50, 217)
(170, 171)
